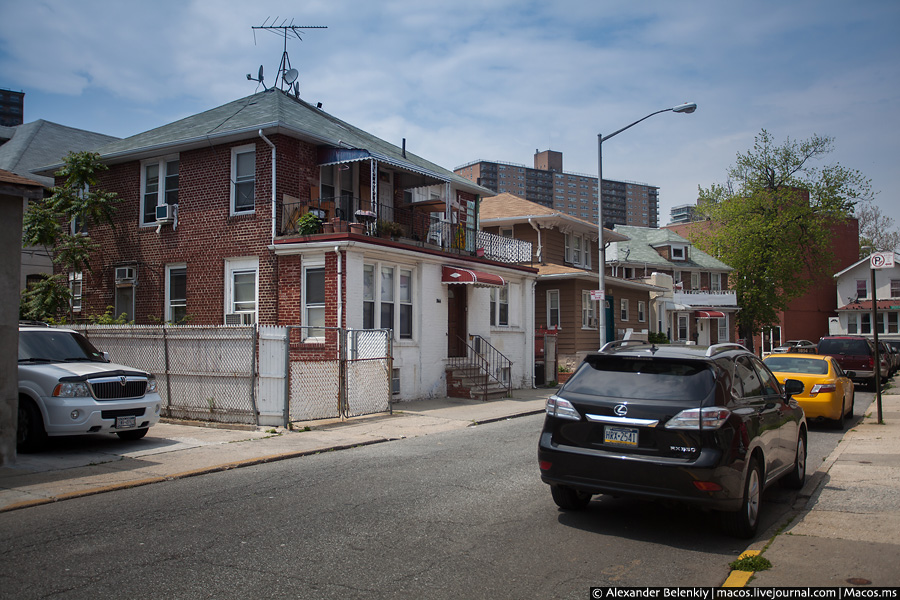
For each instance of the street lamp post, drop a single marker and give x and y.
(686, 108)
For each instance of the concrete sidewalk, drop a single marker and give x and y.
(847, 531)
(844, 531)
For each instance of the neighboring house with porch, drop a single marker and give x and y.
(700, 308)
(219, 225)
(565, 250)
(854, 301)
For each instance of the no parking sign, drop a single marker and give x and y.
(882, 260)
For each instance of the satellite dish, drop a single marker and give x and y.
(290, 76)
(260, 76)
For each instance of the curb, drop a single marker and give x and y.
(740, 578)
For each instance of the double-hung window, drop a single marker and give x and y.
(715, 282)
(388, 299)
(159, 186)
(500, 306)
(553, 315)
(588, 318)
(75, 287)
(577, 250)
(243, 179)
(895, 288)
(241, 277)
(862, 289)
(642, 314)
(624, 309)
(314, 302)
(176, 293)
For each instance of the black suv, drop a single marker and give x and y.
(708, 426)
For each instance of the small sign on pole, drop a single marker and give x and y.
(596, 295)
(882, 260)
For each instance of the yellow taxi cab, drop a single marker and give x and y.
(828, 392)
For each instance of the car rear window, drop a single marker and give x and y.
(843, 347)
(806, 366)
(643, 378)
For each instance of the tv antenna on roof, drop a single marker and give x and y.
(286, 74)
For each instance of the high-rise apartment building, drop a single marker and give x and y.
(12, 108)
(624, 202)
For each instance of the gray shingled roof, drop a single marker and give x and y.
(271, 111)
(640, 250)
(40, 143)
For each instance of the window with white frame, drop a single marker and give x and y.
(892, 319)
(862, 288)
(588, 311)
(243, 179)
(314, 301)
(159, 185)
(553, 314)
(338, 181)
(623, 309)
(695, 280)
(388, 299)
(723, 329)
(75, 287)
(124, 301)
(642, 311)
(677, 253)
(241, 285)
(715, 282)
(895, 288)
(577, 248)
(500, 306)
(176, 293)
(683, 330)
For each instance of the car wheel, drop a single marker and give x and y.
(797, 477)
(133, 434)
(839, 422)
(569, 499)
(30, 433)
(744, 522)
(852, 400)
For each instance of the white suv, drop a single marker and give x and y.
(68, 387)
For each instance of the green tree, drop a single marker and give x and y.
(58, 223)
(772, 223)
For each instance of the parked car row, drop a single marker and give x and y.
(856, 354)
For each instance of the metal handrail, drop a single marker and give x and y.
(489, 361)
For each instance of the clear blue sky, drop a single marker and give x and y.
(493, 79)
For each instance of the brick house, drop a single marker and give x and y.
(213, 229)
(699, 307)
(565, 250)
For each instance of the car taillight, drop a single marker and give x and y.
(562, 409)
(711, 417)
(822, 387)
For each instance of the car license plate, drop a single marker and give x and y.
(125, 422)
(624, 436)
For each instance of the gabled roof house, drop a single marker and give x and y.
(566, 254)
(269, 210)
(855, 296)
(700, 307)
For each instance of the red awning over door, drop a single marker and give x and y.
(710, 314)
(470, 277)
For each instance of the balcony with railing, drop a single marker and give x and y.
(410, 224)
(705, 297)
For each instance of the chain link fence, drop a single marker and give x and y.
(203, 373)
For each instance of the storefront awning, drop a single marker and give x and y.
(470, 277)
(710, 314)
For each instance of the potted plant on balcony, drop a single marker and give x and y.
(388, 229)
(339, 224)
(309, 224)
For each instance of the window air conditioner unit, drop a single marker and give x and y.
(125, 275)
(248, 318)
(165, 213)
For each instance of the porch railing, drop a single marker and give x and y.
(493, 367)
(409, 224)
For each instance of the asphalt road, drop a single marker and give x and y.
(461, 514)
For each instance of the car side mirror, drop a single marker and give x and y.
(850, 374)
(792, 387)
(106, 357)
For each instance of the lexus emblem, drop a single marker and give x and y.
(621, 410)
